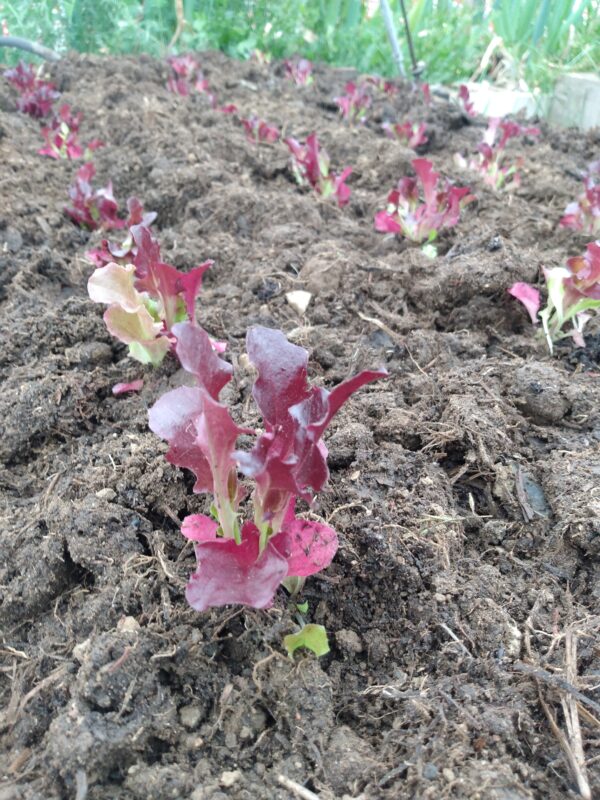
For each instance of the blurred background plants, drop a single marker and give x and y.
(514, 42)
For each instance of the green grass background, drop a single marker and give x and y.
(527, 41)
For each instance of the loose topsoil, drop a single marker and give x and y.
(462, 606)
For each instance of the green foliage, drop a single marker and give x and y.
(312, 637)
(529, 39)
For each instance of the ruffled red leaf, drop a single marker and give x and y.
(231, 573)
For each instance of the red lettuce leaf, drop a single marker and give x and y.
(164, 282)
(197, 356)
(230, 573)
(308, 546)
(529, 296)
(199, 528)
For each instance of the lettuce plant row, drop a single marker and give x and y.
(253, 538)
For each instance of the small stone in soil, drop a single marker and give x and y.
(230, 778)
(349, 641)
(190, 716)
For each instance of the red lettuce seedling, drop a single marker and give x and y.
(22, 77)
(186, 72)
(490, 160)
(123, 253)
(409, 133)
(422, 221)
(354, 104)
(146, 298)
(573, 291)
(382, 85)
(36, 94)
(465, 101)
(299, 71)
(426, 89)
(92, 208)
(310, 165)
(188, 76)
(258, 131)
(583, 214)
(245, 561)
(62, 137)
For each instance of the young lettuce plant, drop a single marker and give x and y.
(187, 76)
(573, 291)
(146, 298)
(354, 104)
(465, 102)
(245, 561)
(310, 165)
(489, 162)
(299, 71)
(583, 214)
(382, 85)
(418, 221)
(62, 137)
(125, 252)
(258, 131)
(92, 208)
(36, 95)
(411, 134)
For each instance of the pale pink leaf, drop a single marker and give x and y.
(132, 386)
(529, 296)
(199, 528)
(308, 546)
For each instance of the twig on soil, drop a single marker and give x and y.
(224, 622)
(297, 788)
(379, 268)
(167, 654)
(572, 761)
(50, 488)
(160, 556)
(19, 761)
(382, 326)
(345, 507)
(10, 651)
(570, 712)
(223, 706)
(127, 697)
(475, 723)
(455, 638)
(397, 338)
(383, 312)
(555, 680)
(13, 714)
(263, 662)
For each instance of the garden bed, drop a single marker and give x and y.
(464, 487)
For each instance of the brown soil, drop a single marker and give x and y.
(464, 488)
